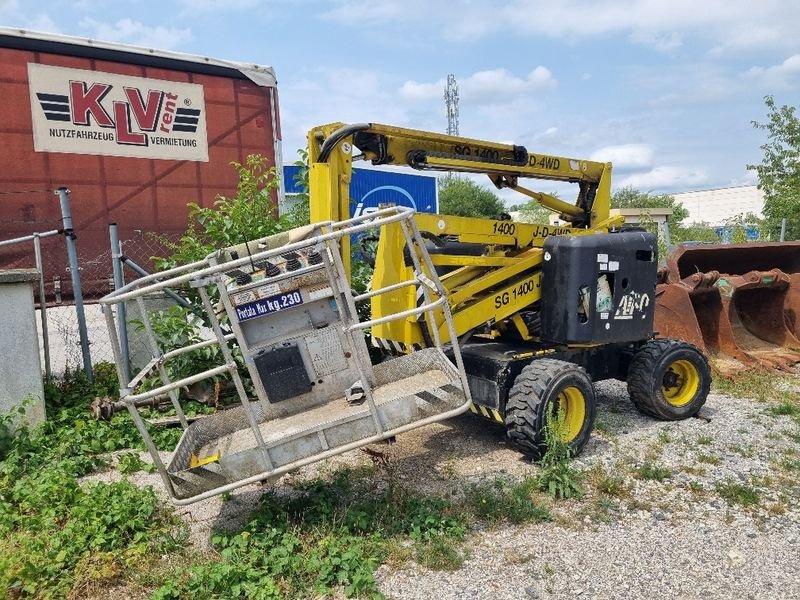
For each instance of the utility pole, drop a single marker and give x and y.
(451, 104)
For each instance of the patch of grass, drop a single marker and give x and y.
(664, 437)
(501, 500)
(652, 472)
(704, 440)
(696, 488)
(693, 470)
(739, 494)
(776, 509)
(784, 408)
(709, 459)
(604, 424)
(793, 436)
(744, 451)
(789, 465)
(759, 385)
(639, 504)
(602, 510)
(612, 485)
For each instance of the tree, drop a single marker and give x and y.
(533, 212)
(629, 197)
(465, 198)
(779, 171)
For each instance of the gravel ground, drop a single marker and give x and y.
(675, 538)
(666, 532)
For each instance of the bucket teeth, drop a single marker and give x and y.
(737, 302)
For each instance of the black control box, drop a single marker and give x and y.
(599, 288)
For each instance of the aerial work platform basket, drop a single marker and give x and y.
(283, 306)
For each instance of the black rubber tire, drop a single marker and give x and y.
(646, 376)
(530, 400)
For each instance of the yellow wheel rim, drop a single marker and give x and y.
(680, 383)
(571, 412)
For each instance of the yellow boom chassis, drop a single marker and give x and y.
(488, 290)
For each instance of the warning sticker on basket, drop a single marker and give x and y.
(276, 303)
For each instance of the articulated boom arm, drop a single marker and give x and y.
(490, 269)
(330, 155)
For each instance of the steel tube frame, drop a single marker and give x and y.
(75, 275)
(204, 277)
(119, 281)
(37, 249)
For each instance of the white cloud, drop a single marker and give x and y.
(484, 86)
(43, 22)
(411, 90)
(137, 33)
(728, 24)
(12, 12)
(351, 95)
(665, 178)
(365, 13)
(626, 156)
(777, 75)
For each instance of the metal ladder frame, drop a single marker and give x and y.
(204, 273)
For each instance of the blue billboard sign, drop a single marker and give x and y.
(371, 189)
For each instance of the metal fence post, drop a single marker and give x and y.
(37, 248)
(119, 281)
(783, 229)
(72, 254)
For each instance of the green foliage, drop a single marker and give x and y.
(739, 224)
(533, 212)
(514, 502)
(612, 485)
(558, 478)
(465, 198)
(737, 493)
(333, 534)
(58, 536)
(130, 462)
(300, 213)
(178, 327)
(779, 171)
(248, 215)
(653, 472)
(629, 197)
(696, 232)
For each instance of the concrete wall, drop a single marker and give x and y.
(20, 368)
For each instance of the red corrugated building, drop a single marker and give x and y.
(134, 133)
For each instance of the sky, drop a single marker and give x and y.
(666, 90)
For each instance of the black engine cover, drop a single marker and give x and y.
(572, 273)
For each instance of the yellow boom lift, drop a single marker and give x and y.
(541, 311)
(512, 321)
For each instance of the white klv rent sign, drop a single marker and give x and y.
(90, 112)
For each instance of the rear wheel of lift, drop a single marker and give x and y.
(669, 379)
(545, 389)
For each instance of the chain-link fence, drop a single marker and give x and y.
(59, 333)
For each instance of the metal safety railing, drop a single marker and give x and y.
(206, 273)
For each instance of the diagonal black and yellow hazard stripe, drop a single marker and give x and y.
(486, 412)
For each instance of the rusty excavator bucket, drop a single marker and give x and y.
(735, 302)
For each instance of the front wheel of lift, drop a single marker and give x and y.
(669, 379)
(546, 389)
